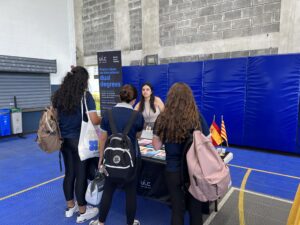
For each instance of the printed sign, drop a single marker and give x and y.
(110, 78)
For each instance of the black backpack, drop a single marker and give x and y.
(119, 157)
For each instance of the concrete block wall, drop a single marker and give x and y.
(98, 26)
(190, 21)
(189, 30)
(135, 15)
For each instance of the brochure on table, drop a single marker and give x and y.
(148, 151)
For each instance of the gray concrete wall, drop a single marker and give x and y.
(189, 30)
(135, 15)
(183, 22)
(78, 5)
(98, 26)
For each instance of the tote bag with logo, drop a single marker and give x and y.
(88, 140)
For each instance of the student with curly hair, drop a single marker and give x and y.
(172, 128)
(67, 100)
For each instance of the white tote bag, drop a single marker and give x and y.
(88, 140)
(94, 190)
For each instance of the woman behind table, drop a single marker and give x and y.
(121, 113)
(172, 128)
(150, 106)
(67, 101)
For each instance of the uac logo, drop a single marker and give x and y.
(102, 59)
(145, 184)
(93, 145)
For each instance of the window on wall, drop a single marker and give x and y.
(32, 90)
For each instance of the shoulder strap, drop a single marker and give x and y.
(184, 168)
(55, 116)
(130, 122)
(111, 122)
(83, 101)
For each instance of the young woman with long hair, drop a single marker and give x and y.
(150, 106)
(172, 128)
(67, 100)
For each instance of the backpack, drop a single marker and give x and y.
(119, 156)
(48, 134)
(209, 177)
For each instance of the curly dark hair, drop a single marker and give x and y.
(68, 97)
(152, 98)
(180, 116)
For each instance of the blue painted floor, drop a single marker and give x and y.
(275, 185)
(23, 165)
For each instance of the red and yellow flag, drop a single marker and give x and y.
(223, 132)
(215, 134)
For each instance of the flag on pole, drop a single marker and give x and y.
(215, 133)
(223, 132)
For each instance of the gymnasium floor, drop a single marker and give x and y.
(264, 185)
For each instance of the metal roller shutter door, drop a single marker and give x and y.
(32, 90)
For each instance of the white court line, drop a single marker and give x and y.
(264, 195)
(265, 171)
(229, 193)
(30, 188)
(220, 205)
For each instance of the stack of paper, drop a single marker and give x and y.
(143, 142)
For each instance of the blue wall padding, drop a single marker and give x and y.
(258, 96)
(272, 102)
(158, 77)
(179, 72)
(224, 89)
(131, 75)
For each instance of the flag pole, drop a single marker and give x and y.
(221, 132)
(226, 134)
(221, 126)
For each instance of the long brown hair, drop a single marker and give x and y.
(180, 115)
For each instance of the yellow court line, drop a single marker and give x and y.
(33, 187)
(241, 198)
(265, 171)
